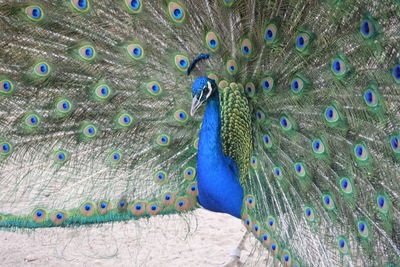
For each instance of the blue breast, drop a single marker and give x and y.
(217, 175)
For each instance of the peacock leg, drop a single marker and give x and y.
(234, 259)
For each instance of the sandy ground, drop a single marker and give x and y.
(201, 239)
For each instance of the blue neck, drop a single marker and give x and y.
(218, 181)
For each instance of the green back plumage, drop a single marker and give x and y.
(236, 126)
(94, 122)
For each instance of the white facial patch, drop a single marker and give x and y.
(209, 91)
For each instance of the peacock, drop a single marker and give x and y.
(282, 113)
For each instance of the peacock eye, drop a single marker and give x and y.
(206, 90)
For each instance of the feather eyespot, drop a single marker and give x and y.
(318, 146)
(134, 6)
(89, 131)
(331, 114)
(124, 120)
(114, 158)
(300, 169)
(246, 47)
(367, 29)
(346, 185)
(286, 258)
(153, 208)
(64, 107)
(370, 98)
(274, 247)
(189, 173)
(277, 172)
(58, 217)
(160, 177)
(5, 148)
(297, 85)
(181, 63)
(87, 52)
(192, 190)
(395, 144)
(254, 162)
(260, 116)
(339, 68)
(181, 115)
(138, 208)
(328, 202)
(309, 214)
(265, 239)
(154, 88)
(267, 83)
(360, 152)
(303, 42)
(250, 201)
(6, 87)
(247, 222)
(286, 124)
(268, 141)
(176, 12)
(87, 209)
(34, 13)
(104, 207)
(212, 41)
(122, 205)
(80, 5)
(168, 198)
(39, 215)
(32, 120)
(42, 69)
(163, 140)
(382, 204)
(184, 203)
(362, 228)
(135, 51)
(343, 245)
(60, 156)
(256, 229)
(250, 89)
(232, 67)
(102, 92)
(271, 33)
(271, 225)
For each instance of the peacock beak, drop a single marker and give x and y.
(196, 103)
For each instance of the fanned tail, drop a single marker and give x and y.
(95, 124)
(323, 188)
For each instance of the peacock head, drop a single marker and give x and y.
(203, 88)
